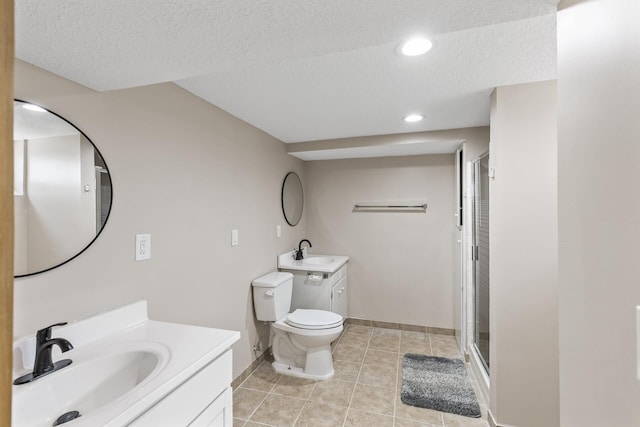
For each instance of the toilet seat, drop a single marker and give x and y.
(313, 319)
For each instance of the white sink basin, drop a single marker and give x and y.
(315, 263)
(318, 260)
(91, 382)
(123, 366)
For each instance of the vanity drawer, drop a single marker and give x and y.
(191, 398)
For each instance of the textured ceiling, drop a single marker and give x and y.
(301, 70)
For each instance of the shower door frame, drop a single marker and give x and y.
(475, 259)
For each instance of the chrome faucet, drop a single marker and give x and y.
(43, 364)
(298, 253)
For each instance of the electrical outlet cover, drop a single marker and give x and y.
(143, 247)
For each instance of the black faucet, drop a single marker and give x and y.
(299, 254)
(43, 364)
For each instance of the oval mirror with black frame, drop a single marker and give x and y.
(62, 190)
(292, 198)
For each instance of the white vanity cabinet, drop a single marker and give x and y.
(339, 296)
(321, 290)
(131, 371)
(205, 399)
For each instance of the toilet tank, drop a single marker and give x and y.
(272, 295)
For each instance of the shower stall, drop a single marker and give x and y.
(480, 260)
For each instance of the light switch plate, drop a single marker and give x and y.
(278, 231)
(234, 237)
(143, 247)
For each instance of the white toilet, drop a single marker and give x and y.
(302, 339)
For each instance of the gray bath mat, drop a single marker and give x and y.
(438, 383)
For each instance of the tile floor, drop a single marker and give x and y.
(365, 390)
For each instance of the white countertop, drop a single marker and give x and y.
(286, 261)
(188, 349)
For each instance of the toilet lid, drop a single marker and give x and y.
(314, 319)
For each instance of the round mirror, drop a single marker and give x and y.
(62, 190)
(292, 198)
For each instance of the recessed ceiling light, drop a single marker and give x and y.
(416, 46)
(32, 107)
(413, 118)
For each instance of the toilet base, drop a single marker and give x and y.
(284, 369)
(303, 356)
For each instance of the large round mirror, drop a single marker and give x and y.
(292, 198)
(62, 190)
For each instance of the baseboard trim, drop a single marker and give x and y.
(400, 326)
(266, 355)
(492, 421)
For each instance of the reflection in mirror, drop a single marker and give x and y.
(62, 190)
(292, 198)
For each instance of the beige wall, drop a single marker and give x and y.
(401, 266)
(524, 245)
(599, 127)
(185, 172)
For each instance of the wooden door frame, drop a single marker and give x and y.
(7, 43)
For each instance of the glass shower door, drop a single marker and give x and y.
(481, 286)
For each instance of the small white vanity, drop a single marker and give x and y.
(319, 281)
(129, 370)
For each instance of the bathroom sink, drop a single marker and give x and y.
(90, 383)
(124, 367)
(318, 260)
(316, 263)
